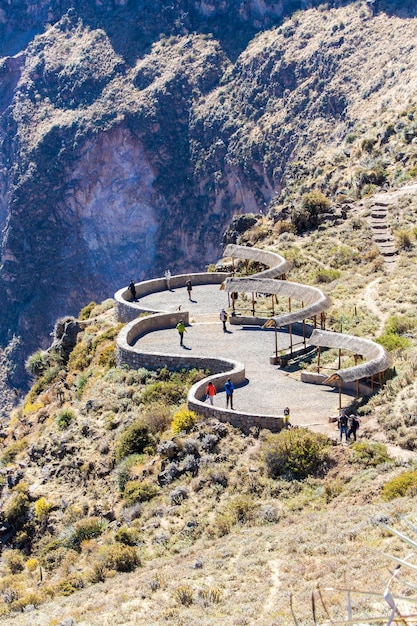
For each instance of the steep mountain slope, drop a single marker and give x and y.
(125, 150)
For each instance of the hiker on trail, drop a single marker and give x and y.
(223, 317)
(132, 289)
(342, 423)
(189, 288)
(181, 330)
(286, 417)
(168, 279)
(353, 424)
(211, 392)
(229, 388)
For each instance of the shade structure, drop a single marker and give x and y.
(313, 299)
(276, 263)
(376, 358)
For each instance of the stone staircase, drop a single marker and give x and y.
(382, 234)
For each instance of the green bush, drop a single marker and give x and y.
(138, 491)
(107, 357)
(119, 557)
(295, 453)
(391, 342)
(80, 357)
(64, 418)
(399, 324)
(37, 363)
(127, 536)
(369, 453)
(134, 440)
(86, 528)
(17, 506)
(166, 391)
(86, 311)
(183, 421)
(123, 474)
(327, 275)
(400, 486)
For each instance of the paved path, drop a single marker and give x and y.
(269, 389)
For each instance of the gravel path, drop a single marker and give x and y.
(268, 389)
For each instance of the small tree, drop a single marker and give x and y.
(295, 453)
(37, 363)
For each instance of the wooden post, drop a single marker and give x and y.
(233, 301)
(290, 325)
(340, 394)
(273, 310)
(304, 333)
(276, 339)
(233, 265)
(289, 305)
(315, 321)
(318, 359)
(339, 359)
(253, 304)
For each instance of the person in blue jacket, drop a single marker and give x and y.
(229, 388)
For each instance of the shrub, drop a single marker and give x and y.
(37, 363)
(14, 561)
(158, 417)
(42, 508)
(107, 357)
(127, 536)
(184, 595)
(12, 450)
(369, 453)
(403, 239)
(327, 275)
(138, 491)
(166, 391)
(80, 357)
(295, 453)
(86, 528)
(123, 472)
(17, 506)
(119, 557)
(391, 342)
(134, 440)
(240, 509)
(64, 418)
(399, 324)
(183, 421)
(400, 486)
(86, 311)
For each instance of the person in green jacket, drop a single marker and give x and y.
(181, 331)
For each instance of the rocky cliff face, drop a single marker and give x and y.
(131, 136)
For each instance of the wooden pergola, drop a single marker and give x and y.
(376, 359)
(312, 301)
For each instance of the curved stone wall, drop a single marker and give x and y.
(126, 310)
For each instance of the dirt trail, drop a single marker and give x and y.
(371, 297)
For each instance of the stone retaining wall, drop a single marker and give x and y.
(220, 369)
(126, 310)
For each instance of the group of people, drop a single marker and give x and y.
(348, 425)
(229, 388)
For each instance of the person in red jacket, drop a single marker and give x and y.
(211, 392)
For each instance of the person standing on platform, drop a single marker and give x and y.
(229, 389)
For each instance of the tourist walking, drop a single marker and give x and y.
(168, 279)
(353, 424)
(189, 287)
(223, 317)
(211, 392)
(132, 289)
(286, 417)
(229, 389)
(343, 425)
(181, 330)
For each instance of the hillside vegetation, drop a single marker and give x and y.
(131, 137)
(120, 506)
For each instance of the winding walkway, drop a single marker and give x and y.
(263, 390)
